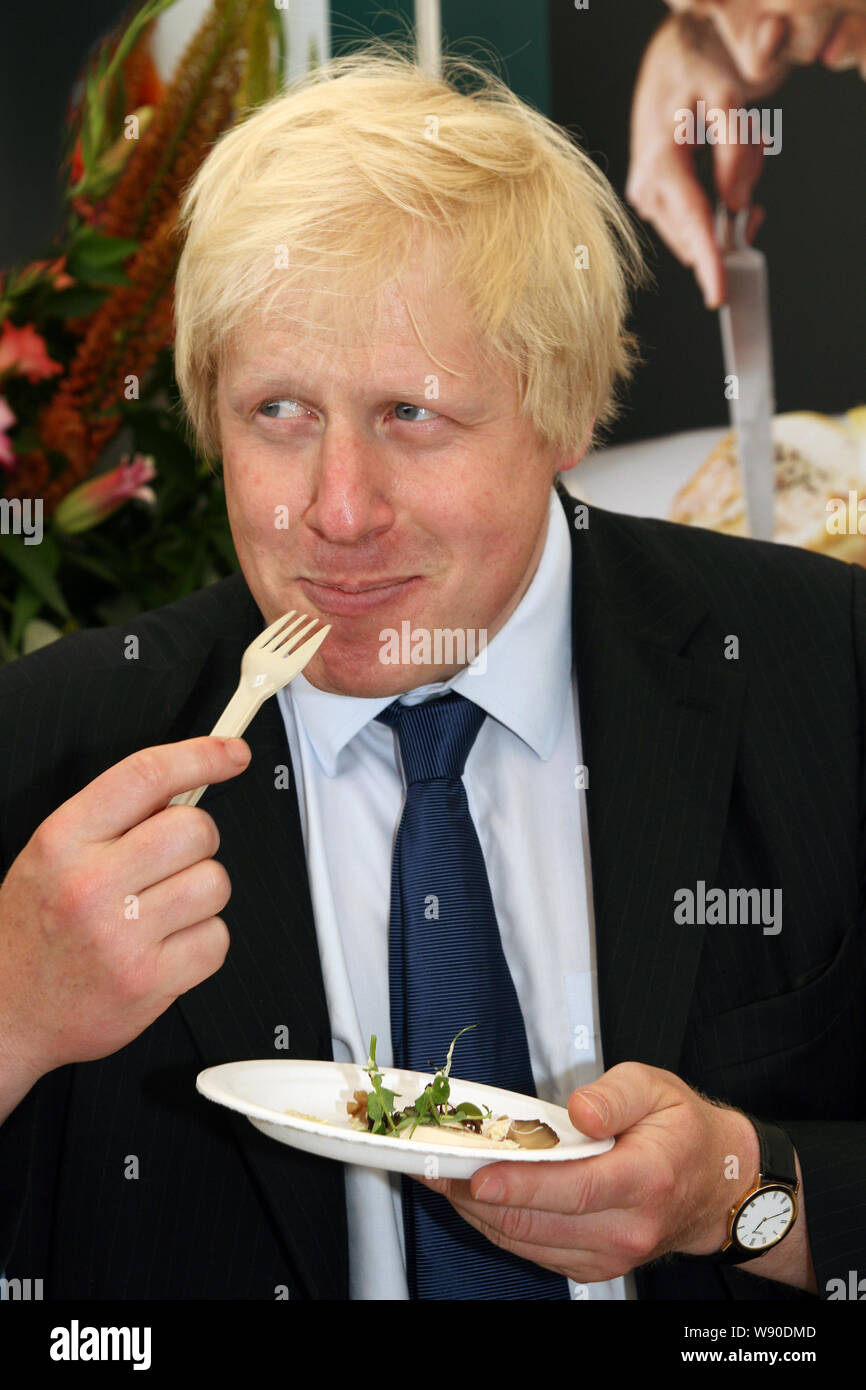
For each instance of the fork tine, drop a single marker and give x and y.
(274, 643)
(311, 645)
(269, 632)
(288, 641)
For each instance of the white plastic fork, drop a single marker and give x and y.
(270, 661)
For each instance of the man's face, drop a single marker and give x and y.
(343, 468)
(763, 35)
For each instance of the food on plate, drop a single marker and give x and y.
(433, 1118)
(820, 485)
(302, 1115)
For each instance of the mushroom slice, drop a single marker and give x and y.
(533, 1134)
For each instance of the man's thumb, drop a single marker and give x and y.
(590, 1113)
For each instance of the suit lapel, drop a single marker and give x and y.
(659, 734)
(272, 975)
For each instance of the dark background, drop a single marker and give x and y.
(579, 66)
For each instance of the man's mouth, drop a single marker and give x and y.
(356, 588)
(345, 597)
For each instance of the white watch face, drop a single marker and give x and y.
(764, 1219)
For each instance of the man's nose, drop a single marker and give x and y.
(756, 42)
(349, 501)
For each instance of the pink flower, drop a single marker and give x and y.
(93, 501)
(7, 419)
(23, 351)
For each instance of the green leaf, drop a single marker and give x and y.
(77, 302)
(96, 250)
(424, 1107)
(86, 146)
(37, 564)
(440, 1090)
(148, 11)
(106, 275)
(26, 606)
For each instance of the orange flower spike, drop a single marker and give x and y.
(76, 167)
(134, 321)
(144, 86)
(148, 184)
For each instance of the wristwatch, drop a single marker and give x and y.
(765, 1214)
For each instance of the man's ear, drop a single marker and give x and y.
(568, 459)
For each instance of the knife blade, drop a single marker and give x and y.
(746, 344)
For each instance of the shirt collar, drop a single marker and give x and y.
(535, 641)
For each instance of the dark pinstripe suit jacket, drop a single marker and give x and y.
(742, 772)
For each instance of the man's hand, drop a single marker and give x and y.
(686, 62)
(109, 912)
(666, 1186)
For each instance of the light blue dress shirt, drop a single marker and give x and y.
(520, 780)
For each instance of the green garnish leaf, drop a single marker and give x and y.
(425, 1109)
(440, 1089)
(447, 1068)
(380, 1102)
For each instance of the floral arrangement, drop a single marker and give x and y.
(104, 509)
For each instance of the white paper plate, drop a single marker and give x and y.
(265, 1090)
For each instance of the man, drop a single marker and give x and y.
(399, 311)
(726, 53)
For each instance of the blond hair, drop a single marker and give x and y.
(331, 189)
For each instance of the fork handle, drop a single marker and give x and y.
(238, 713)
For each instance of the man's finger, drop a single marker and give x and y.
(575, 1186)
(684, 218)
(589, 1249)
(124, 795)
(848, 47)
(163, 844)
(736, 170)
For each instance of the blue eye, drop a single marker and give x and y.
(404, 405)
(267, 406)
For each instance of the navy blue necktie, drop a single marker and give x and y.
(447, 970)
